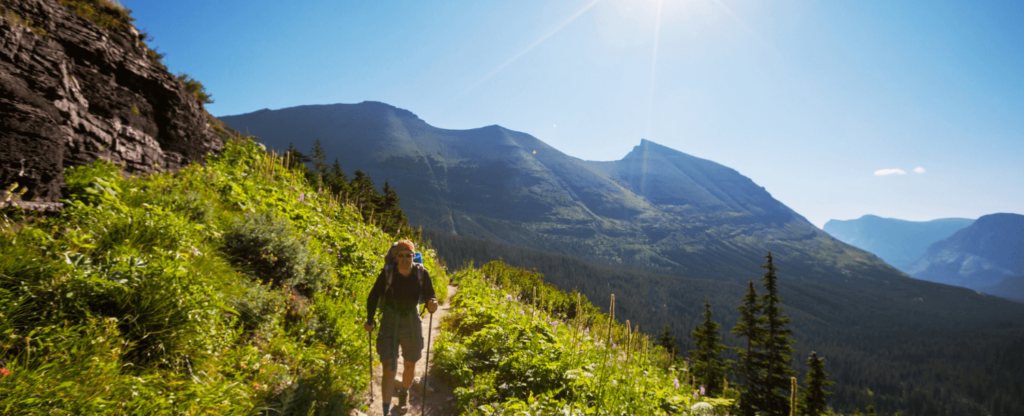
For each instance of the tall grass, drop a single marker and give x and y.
(507, 355)
(232, 287)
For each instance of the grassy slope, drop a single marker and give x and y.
(229, 288)
(513, 345)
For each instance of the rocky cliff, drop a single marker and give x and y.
(72, 91)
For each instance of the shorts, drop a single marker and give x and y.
(410, 337)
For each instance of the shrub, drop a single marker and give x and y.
(273, 251)
(156, 57)
(93, 183)
(105, 14)
(195, 88)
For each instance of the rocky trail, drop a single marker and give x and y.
(438, 394)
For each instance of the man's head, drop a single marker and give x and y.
(405, 245)
(404, 251)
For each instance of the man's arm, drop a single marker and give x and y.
(428, 291)
(371, 299)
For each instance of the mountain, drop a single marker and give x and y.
(78, 83)
(898, 242)
(657, 209)
(662, 229)
(979, 256)
(1010, 288)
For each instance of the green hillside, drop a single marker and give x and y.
(232, 287)
(898, 345)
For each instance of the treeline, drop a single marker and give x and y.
(873, 360)
(380, 208)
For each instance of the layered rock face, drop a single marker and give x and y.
(72, 92)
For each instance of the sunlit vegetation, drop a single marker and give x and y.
(231, 287)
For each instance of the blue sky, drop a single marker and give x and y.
(813, 100)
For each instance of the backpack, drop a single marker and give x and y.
(389, 268)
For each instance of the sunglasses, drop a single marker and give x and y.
(404, 256)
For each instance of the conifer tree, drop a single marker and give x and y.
(365, 194)
(395, 218)
(296, 157)
(668, 341)
(708, 366)
(777, 347)
(318, 157)
(813, 403)
(337, 179)
(750, 325)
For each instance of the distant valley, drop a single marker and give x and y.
(898, 242)
(986, 255)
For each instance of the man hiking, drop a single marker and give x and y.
(399, 289)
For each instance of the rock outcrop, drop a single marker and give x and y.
(72, 92)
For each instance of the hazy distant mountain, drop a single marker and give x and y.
(979, 256)
(658, 209)
(898, 242)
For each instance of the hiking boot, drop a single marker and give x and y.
(403, 396)
(416, 389)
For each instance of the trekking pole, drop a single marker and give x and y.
(426, 369)
(369, 356)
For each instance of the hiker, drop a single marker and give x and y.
(400, 287)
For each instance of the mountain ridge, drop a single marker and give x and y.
(657, 208)
(898, 242)
(979, 256)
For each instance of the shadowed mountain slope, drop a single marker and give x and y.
(898, 242)
(657, 209)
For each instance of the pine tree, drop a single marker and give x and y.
(777, 348)
(337, 180)
(708, 365)
(394, 218)
(296, 157)
(813, 403)
(750, 326)
(668, 341)
(318, 157)
(365, 195)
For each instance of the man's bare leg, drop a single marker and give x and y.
(387, 382)
(408, 373)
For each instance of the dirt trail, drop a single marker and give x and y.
(437, 402)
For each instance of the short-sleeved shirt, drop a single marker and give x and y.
(405, 293)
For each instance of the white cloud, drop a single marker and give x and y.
(919, 169)
(886, 172)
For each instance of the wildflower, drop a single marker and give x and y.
(302, 196)
(5, 372)
(701, 390)
(256, 386)
(703, 408)
(243, 365)
(675, 381)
